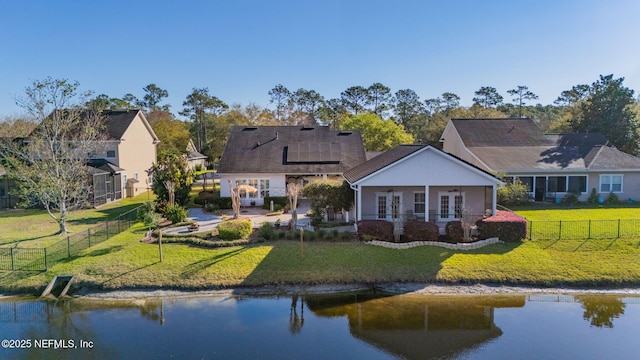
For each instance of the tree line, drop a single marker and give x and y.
(385, 118)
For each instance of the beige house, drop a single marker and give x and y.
(129, 151)
(550, 165)
(195, 159)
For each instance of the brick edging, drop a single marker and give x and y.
(458, 246)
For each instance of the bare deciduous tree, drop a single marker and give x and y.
(50, 165)
(293, 190)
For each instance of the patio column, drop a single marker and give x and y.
(493, 210)
(358, 201)
(426, 203)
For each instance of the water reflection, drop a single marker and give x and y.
(413, 326)
(318, 326)
(296, 322)
(601, 310)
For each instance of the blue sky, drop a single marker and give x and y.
(242, 49)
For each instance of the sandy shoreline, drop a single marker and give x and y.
(399, 288)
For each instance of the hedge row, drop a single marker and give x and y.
(277, 200)
(194, 240)
(421, 231)
(375, 230)
(505, 225)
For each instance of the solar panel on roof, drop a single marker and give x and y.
(313, 152)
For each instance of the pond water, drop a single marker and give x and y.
(362, 325)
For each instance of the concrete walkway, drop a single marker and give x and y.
(208, 221)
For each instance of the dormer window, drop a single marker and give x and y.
(111, 153)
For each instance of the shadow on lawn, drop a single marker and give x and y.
(315, 263)
(201, 265)
(129, 272)
(105, 214)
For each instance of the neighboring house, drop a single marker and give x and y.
(119, 164)
(269, 157)
(550, 165)
(130, 150)
(7, 200)
(194, 158)
(420, 182)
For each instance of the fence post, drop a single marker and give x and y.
(68, 247)
(618, 228)
(89, 234)
(107, 228)
(560, 232)
(46, 268)
(12, 262)
(589, 235)
(531, 230)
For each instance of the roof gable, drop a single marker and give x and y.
(291, 150)
(393, 158)
(118, 121)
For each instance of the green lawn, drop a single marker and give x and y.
(584, 212)
(584, 222)
(125, 262)
(35, 228)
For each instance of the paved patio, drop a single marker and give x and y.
(209, 221)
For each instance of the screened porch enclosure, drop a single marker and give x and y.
(107, 187)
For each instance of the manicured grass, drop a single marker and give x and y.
(125, 262)
(581, 212)
(35, 228)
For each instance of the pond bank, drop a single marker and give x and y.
(400, 288)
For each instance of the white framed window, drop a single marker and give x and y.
(419, 202)
(611, 183)
(111, 153)
(135, 175)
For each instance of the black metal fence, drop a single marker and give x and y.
(40, 259)
(583, 229)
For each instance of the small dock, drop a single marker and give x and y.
(58, 287)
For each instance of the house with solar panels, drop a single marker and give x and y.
(269, 157)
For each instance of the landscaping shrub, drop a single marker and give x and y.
(206, 197)
(613, 199)
(234, 229)
(279, 202)
(512, 193)
(420, 231)
(505, 225)
(145, 209)
(375, 230)
(454, 231)
(593, 197)
(571, 198)
(346, 236)
(175, 213)
(267, 231)
(221, 202)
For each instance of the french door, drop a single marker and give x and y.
(450, 206)
(389, 205)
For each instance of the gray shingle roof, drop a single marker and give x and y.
(519, 145)
(291, 150)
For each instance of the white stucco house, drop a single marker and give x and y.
(421, 182)
(269, 157)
